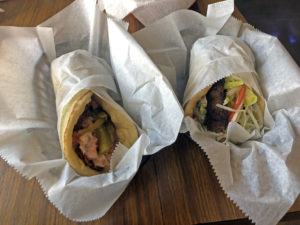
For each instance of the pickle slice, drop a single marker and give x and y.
(111, 129)
(102, 115)
(104, 140)
(101, 118)
(93, 126)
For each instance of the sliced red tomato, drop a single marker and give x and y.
(238, 101)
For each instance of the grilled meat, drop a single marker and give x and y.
(217, 118)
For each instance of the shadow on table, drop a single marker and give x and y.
(288, 219)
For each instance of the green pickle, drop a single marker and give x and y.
(104, 139)
(93, 127)
(102, 115)
(105, 132)
(110, 128)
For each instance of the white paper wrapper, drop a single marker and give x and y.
(146, 93)
(146, 11)
(178, 31)
(28, 117)
(29, 140)
(261, 176)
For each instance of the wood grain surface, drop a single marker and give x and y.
(175, 186)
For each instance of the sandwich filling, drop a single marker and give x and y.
(94, 137)
(229, 100)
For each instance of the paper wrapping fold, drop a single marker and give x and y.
(146, 11)
(28, 116)
(146, 93)
(214, 57)
(261, 176)
(177, 32)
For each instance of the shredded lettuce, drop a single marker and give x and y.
(243, 118)
(248, 121)
(233, 92)
(259, 114)
(228, 108)
(253, 119)
(244, 115)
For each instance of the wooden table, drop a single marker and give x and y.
(176, 185)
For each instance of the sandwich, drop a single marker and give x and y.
(234, 98)
(90, 129)
(228, 100)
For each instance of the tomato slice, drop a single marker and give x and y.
(238, 101)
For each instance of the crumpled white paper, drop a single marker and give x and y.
(146, 93)
(146, 11)
(177, 32)
(261, 176)
(28, 118)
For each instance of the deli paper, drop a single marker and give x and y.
(146, 11)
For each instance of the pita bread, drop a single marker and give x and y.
(125, 129)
